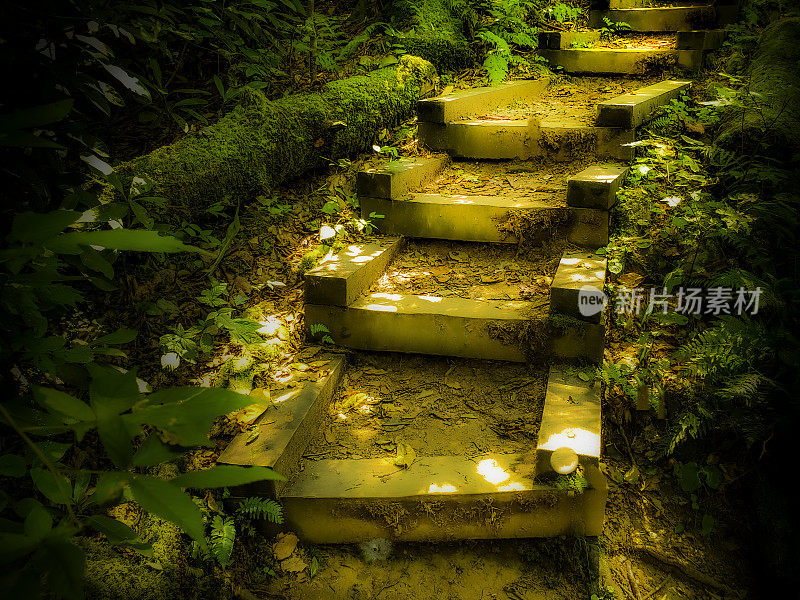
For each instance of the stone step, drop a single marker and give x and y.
(562, 40)
(498, 139)
(480, 139)
(480, 218)
(703, 39)
(278, 438)
(438, 498)
(632, 109)
(667, 18)
(626, 61)
(571, 418)
(577, 288)
(465, 104)
(596, 186)
(342, 277)
(457, 217)
(429, 325)
(398, 177)
(565, 140)
(513, 331)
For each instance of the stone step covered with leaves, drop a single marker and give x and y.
(663, 18)
(439, 498)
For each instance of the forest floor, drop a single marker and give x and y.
(652, 534)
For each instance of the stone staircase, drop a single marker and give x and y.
(550, 179)
(673, 34)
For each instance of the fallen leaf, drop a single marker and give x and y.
(352, 401)
(283, 548)
(293, 565)
(630, 280)
(405, 455)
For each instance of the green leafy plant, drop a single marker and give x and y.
(611, 29)
(502, 33)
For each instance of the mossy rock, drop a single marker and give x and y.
(773, 126)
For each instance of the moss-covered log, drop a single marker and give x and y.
(438, 31)
(262, 143)
(772, 125)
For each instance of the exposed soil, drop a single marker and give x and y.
(572, 98)
(641, 41)
(438, 406)
(543, 179)
(475, 271)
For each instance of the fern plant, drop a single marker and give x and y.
(260, 508)
(221, 539)
(505, 32)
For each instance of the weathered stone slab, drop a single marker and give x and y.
(571, 418)
(399, 177)
(565, 140)
(576, 270)
(439, 498)
(426, 325)
(480, 139)
(282, 432)
(562, 40)
(340, 278)
(631, 61)
(704, 39)
(691, 60)
(589, 227)
(579, 341)
(465, 104)
(632, 109)
(666, 18)
(595, 186)
(452, 217)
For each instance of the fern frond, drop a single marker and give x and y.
(260, 508)
(223, 534)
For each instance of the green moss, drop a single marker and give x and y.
(110, 574)
(563, 323)
(437, 32)
(261, 143)
(774, 78)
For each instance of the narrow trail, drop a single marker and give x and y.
(462, 410)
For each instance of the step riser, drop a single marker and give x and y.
(562, 40)
(497, 516)
(479, 223)
(626, 62)
(595, 187)
(480, 140)
(471, 103)
(508, 140)
(657, 19)
(421, 333)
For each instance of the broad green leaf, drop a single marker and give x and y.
(12, 465)
(115, 438)
(138, 240)
(35, 228)
(185, 414)
(95, 261)
(14, 546)
(120, 336)
(57, 489)
(110, 486)
(688, 476)
(153, 451)
(66, 563)
(36, 116)
(119, 533)
(225, 476)
(61, 402)
(38, 523)
(115, 391)
(167, 501)
(82, 480)
(78, 354)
